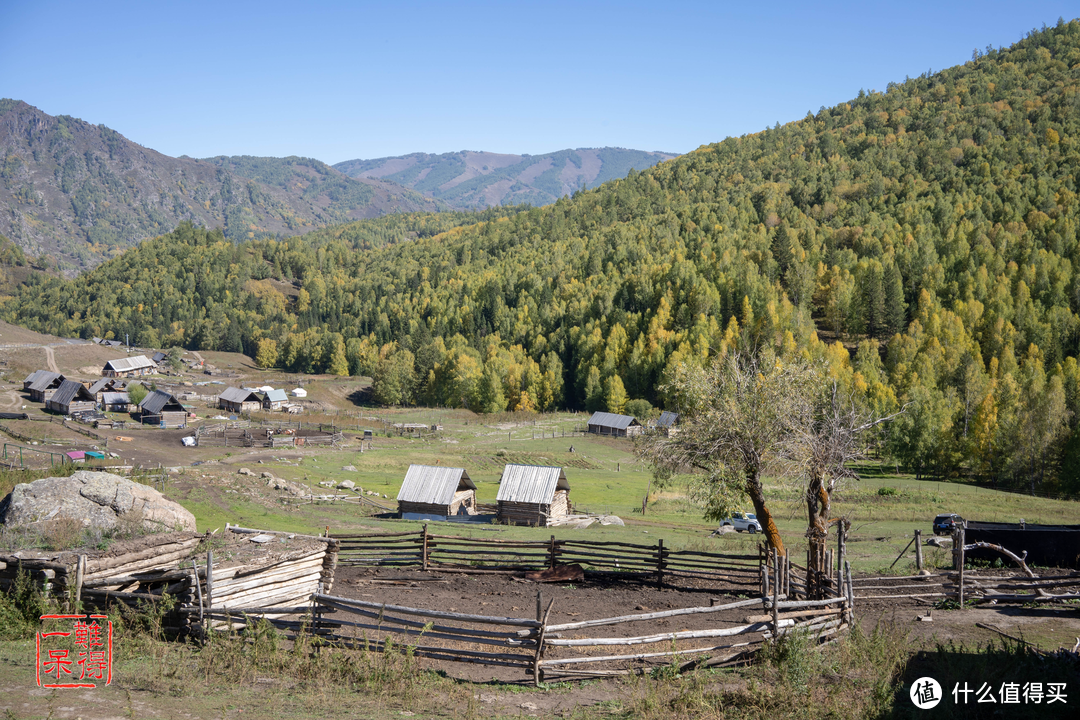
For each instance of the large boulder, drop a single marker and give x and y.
(99, 499)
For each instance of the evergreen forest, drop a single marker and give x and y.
(921, 240)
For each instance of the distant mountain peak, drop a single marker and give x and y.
(473, 179)
(84, 192)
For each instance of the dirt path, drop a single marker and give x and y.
(50, 358)
(13, 398)
(198, 357)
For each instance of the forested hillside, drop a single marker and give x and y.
(83, 193)
(931, 228)
(476, 180)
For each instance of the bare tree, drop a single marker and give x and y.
(827, 438)
(736, 419)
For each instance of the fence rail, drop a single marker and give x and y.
(538, 647)
(429, 551)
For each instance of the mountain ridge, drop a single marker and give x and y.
(470, 179)
(84, 192)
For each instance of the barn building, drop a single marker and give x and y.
(667, 422)
(99, 387)
(71, 396)
(34, 377)
(115, 402)
(605, 423)
(162, 409)
(134, 366)
(43, 387)
(274, 399)
(240, 400)
(532, 495)
(435, 493)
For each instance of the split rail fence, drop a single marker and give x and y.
(428, 551)
(964, 585)
(618, 645)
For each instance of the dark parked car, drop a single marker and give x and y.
(943, 524)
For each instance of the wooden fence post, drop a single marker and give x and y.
(551, 554)
(850, 592)
(775, 596)
(424, 550)
(660, 564)
(538, 674)
(959, 535)
(198, 591)
(209, 589)
(80, 570)
(839, 558)
(918, 550)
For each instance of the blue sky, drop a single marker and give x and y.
(343, 80)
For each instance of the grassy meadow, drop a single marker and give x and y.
(605, 477)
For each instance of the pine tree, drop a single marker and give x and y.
(594, 390)
(895, 307)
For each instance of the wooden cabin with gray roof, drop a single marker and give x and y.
(99, 387)
(134, 366)
(432, 492)
(240, 400)
(275, 399)
(44, 385)
(532, 495)
(71, 397)
(162, 409)
(605, 423)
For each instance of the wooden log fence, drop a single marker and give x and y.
(442, 552)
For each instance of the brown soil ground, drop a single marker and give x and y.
(510, 595)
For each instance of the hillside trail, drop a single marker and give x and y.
(198, 357)
(50, 358)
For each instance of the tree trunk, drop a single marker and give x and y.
(757, 497)
(818, 504)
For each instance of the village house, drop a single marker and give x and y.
(134, 366)
(667, 423)
(240, 400)
(44, 385)
(435, 493)
(274, 400)
(115, 402)
(71, 397)
(99, 387)
(532, 495)
(162, 409)
(605, 423)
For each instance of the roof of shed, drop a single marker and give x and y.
(531, 484)
(239, 395)
(46, 379)
(68, 391)
(667, 419)
(137, 362)
(159, 400)
(611, 420)
(32, 377)
(432, 484)
(277, 396)
(115, 398)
